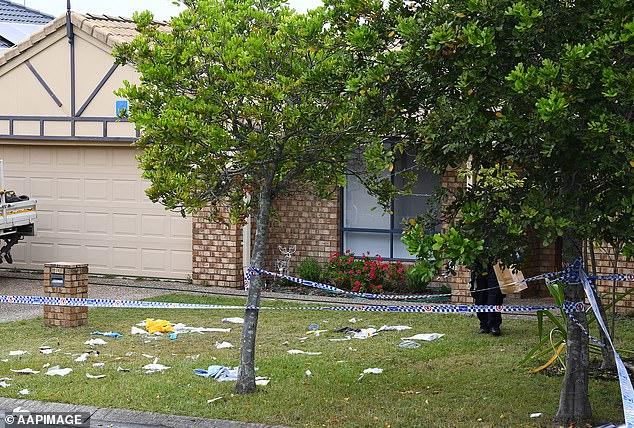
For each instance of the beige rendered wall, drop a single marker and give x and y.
(23, 95)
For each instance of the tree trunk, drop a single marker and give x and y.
(608, 362)
(574, 405)
(246, 372)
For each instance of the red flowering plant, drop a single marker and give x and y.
(364, 274)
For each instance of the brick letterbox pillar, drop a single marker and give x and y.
(65, 280)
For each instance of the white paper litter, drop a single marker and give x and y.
(374, 370)
(342, 339)
(137, 330)
(297, 351)
(97, 341)
(154, 367)
(262, 381)
(365, 333)
(234, 320)
(46, 365)
(27, 370)
(214, 399)
(535, 415)
(223, 345)
(182, 328)
(82, 357)
(121, 369)
(148, 355)
(5, 378)
(16, 353)
(23, 392)
(352, 320)
(395, 328)
(426, 337)
(5, 360)
(98, 364)
(48, 351)
(309, 373)
(89, 376)
(3, 384)
(193, 357)
(56, 371)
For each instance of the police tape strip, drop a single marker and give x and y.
(330, 288)
(250, 270)
(618, 277)
(111, 303)
(627, 393)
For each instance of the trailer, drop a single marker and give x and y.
(17, 218)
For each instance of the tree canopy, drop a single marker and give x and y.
(239, 102)
(532, 100)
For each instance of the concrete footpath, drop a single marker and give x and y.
(117, 418)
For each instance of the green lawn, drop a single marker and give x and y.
(461, 379)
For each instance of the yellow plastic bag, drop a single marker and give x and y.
(154, 326)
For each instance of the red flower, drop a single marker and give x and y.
(379, 288)
(347, 251)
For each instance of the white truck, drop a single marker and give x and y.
(17, 218)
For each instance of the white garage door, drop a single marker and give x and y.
(92, 209)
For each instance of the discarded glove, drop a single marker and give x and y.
(158, 326)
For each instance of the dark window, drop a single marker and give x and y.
(367, 229)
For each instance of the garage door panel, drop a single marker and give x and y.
(125, 224)
(44, 222)
(124, 191)
(125, 258)
(43, 252)
(18, 252)
(15, 156)
(69, 189)
(97, 223)
(70, 253)
(69, 157)
(154, 225)
(69, 222)
(179, 259)
(42, 158)
(97, 189)
(179, 228)
(42, 188)
(97, 256)
(92, 209)
(96, 158)
(153, 260)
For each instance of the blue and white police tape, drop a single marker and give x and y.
(627, 393)
(250, 270)
(336, 290)
(112, 303)
(617, 277)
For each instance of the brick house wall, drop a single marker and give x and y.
(216, 253)
(313, 226)
(307, 222)
(604, 256)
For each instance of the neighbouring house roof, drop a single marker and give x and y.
(15, 13)
(17, 22)
(111, 30)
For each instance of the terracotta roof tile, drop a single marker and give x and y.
(110, 30)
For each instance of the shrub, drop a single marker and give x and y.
(416, 280)
(309, 269)
(364, 274)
